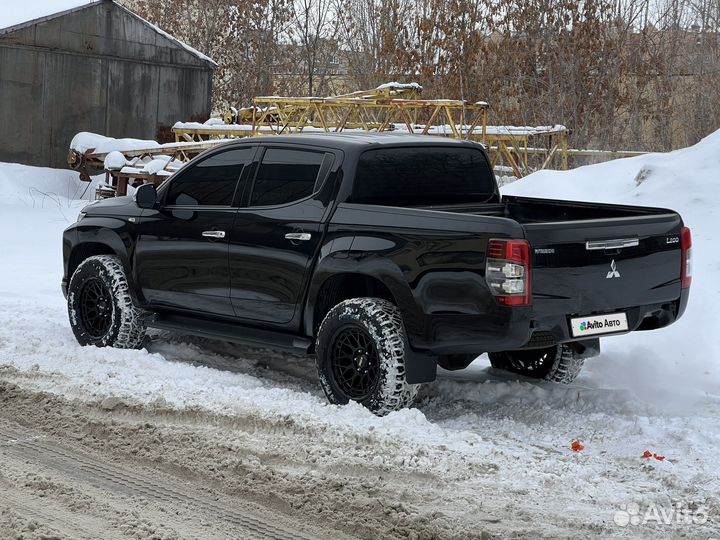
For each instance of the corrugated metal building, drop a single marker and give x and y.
(95, 66)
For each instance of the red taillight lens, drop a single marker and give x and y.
(508, 272)
(686, 264)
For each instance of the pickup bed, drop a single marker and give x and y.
(382, 255)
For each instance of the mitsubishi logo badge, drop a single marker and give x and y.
(613, 273)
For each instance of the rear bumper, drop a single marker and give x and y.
(512, 328)
(440, 334)
(646, 317)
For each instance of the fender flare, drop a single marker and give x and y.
(103, 231)
(421, 367)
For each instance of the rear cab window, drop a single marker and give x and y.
(287, 175)
(423, 176)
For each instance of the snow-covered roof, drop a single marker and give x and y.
(15, 14)
(26, 12)
(163, 33)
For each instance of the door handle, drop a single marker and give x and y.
(303, 236)
(612, 244)
(214, 234)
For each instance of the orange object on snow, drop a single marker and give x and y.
(647, 454)
(577, 446)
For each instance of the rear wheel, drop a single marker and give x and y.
(361, 356)
(557, 363)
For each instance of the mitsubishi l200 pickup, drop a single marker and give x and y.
(381, 255)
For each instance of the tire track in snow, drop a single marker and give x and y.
(251, 522)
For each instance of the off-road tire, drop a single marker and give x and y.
(105, 274)
(382, 322)
(556, 364)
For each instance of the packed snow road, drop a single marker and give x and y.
(68, 488)
(199, 439)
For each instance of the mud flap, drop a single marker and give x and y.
(420, 367)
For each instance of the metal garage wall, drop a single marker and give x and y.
(74, 98)
(98, 69)
(21, 95)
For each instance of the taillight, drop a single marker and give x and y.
(686, 264)
(507, 271)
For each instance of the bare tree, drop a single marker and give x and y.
(638, 74)
(313, 35)
(243, 37)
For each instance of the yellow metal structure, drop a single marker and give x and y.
(392, 107)
(515, 151)
(398, 108)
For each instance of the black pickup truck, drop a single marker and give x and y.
(382, 255)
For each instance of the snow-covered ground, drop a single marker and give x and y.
(487, 453)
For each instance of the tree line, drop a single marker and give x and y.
(621, 74)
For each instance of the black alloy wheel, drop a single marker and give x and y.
(558, 363)
(355, 362)
(360, 356)
(533, 362)
(96, 308)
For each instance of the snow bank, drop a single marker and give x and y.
(39, 187)
(681, 362)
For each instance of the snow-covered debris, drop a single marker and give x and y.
(209, 125)
(159, 165)
(400, 86)
(216, 121)
(115, 161)
(99, 144)
(156, 165)
(84, 141)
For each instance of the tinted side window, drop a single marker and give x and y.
(285, 176)
(423, 176)
(211, 182)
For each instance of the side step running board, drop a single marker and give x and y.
(220, 330)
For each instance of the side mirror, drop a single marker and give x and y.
(146, 196)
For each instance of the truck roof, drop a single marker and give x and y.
(356, 140)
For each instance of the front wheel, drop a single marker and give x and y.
(557, 363)
(100, 307)
(361, 356)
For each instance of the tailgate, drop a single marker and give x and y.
(600, 265)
